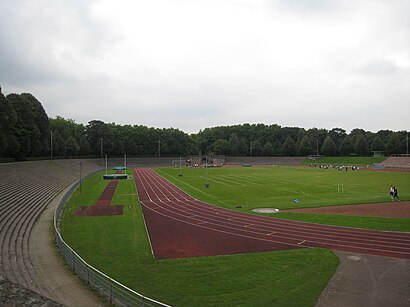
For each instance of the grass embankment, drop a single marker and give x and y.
(296, 187)
(119, 247)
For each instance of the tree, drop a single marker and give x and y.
(59, 144)
(84, 146)
(346, 146)
(39, 139)
(31, 129)
(337, 135)
(289, 147)
(328, 147)
(8, 119)
(220, 147)
(243, 147)
(3, 142)
(256, 148)
(377, 144)
(234, 143)
(96, 131)
(305, 147)
(361, 146)
(13, 147)
(72, 147)
(268, 149)
(393, 144)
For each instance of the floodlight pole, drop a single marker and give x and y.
(125, 162)
(206, 172)
(101, 147)
(106, 165)
(81, 166)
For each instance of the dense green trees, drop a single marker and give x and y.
(26, 131)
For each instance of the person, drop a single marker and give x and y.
(391, 192)
(395, 195)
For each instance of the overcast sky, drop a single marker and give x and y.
(192, 64)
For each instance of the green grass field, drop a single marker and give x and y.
(279, 187)
(119, 247)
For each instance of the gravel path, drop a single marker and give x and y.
(59, 282)
(366, 280)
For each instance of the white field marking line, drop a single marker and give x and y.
(324, 244)
(221, 182)
(211, 196)
(192, 187)
(290, 190)
(315, 229)
(328, 232)
(257, 179)
(223, 177)
(223, 231)
(152, 183)
(143, 218)
(275, 187)
(178, 190)
(179, 195)
(143, 186)
(201, 223)
(311, 226)
(159, 181)
(143, 178)
(358, 233)
(328, 235)
(296, 237)
(246, 179)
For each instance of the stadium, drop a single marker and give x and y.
(204, 153)
(30, 201)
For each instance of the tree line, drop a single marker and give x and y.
(26, 131)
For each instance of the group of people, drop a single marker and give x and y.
(393, 193)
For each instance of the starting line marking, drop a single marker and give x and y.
(302, 242)
(248, 225)
(271, 233)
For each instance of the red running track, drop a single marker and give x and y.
(182, 226)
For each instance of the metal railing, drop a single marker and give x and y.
(115, 292)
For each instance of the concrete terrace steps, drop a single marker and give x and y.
(16, 237)
(396, 162)
(25, 190)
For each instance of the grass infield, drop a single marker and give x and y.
(118, 246)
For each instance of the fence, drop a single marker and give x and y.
(115, 292)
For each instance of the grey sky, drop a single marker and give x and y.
(203, 63)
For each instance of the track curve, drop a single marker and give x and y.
(182, 226)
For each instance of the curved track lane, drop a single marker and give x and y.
(182, 226)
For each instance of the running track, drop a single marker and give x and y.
(181, 226)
